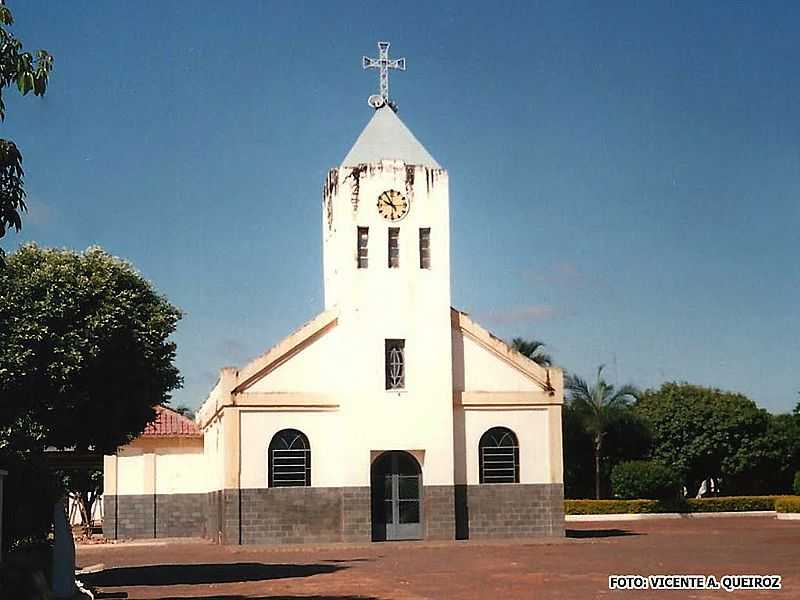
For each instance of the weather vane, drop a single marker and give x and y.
(383, 63)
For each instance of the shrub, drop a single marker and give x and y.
(787, 504)
(700, 505)
(731, 503)
(616, 507)
(644, 479)
(796, 486)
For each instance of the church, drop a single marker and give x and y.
(390, 415)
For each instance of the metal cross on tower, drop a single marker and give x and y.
(384, 64)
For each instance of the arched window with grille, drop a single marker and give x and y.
(498, 456)
(289, 459)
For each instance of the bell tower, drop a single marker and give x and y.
(385, 220)
(386, 262)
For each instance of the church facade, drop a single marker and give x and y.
(388, 416)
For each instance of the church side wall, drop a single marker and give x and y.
(532, 428)
(486, 389)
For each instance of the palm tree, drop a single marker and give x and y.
(597, 405)
(533, 350)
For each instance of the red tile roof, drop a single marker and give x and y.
(169, 423)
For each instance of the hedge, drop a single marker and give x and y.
(692, 505)
(731, 503)
(615, 507)
(788, 504)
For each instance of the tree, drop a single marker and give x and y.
(627, 438)
(533, 350)
(29, 73)
(85, 353)
(777, 457)
(704, 432)
(597, 406)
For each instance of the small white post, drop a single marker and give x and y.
(2, 477)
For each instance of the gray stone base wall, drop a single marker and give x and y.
(213, 510)
(135, 516)
(231, 517)
(505, 510)
(149, 516)
(298, 515)
(356, 514)
(110, 517)
(439, 512)
(319, 515)
(180, 515)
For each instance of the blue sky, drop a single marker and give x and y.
(625, 176)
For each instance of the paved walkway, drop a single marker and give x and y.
(577, 567)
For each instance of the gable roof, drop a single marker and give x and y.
(492, 343)
(387, 138)
(285, 349)
(169, 423)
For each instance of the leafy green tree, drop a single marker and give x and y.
(597, 406)
(627, 438)
(85, 352)
(577, 445)
(703, 432)
(776, 457)
(28, 73)
(533, 349)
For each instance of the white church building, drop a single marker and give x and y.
(389, 416)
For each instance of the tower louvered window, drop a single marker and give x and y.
(289, 459)
(498, 455)
(394, 247)
(395, 364)
(425, 248)
(362, 243)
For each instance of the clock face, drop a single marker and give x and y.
(392, 205)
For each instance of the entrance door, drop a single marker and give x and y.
(396, 497)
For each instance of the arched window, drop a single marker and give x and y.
(498, 456)
(289, 459)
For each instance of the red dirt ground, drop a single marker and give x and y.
(577, 567)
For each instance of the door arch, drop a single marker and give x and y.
(396, 484)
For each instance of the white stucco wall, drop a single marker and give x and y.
(316, 368)
(531, 427)
(157, 465)
(130, 471)
(486, 372)
(180, 472)
(213, 451)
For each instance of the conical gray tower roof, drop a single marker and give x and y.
(386, 138)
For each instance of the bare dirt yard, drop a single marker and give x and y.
(575, 567)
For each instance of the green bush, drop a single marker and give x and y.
(616, 507)
(787, 504)
(731, 503)
(701, 505)
(644, 479)
(796, 486)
